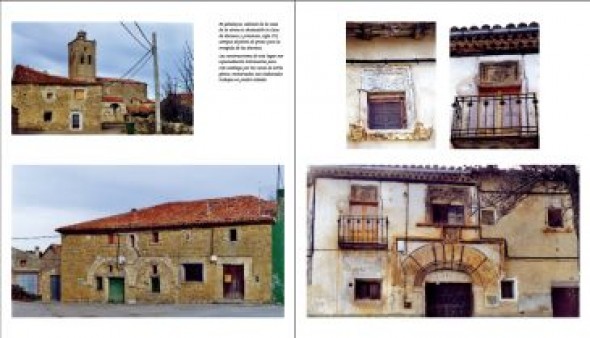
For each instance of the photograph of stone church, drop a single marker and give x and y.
(439, 241)
(101, 78)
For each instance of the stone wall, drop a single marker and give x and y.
(33, 101)
(86, 257)
(126, 90)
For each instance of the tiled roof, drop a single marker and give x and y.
(495, 40)
(112, 99)
(27, 75)
(141, 109)
(239, 210)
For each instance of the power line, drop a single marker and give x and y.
(139, 68)
(136, 64)
(142, 34)
(134, 37)
(34, 237)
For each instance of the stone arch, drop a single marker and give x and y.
(432, 257)
(144, 265)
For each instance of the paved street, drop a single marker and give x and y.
(38, 309)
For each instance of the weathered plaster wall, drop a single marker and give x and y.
(420, 87)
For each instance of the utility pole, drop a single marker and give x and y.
(156, 83)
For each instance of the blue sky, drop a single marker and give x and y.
(47, 197)
(43, 46)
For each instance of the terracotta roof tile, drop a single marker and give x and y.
(202, 213)
(112, 99)
(27, 75)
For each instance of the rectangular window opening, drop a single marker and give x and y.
(99, 283)
(555, 217)
(193, 272)
(507, 289)
(111, 238)
(367, 289)
(386, 111)
(155, 237)
(233, 235)
(488, 217)
(448, 214)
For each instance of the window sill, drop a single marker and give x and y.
(550, 230)
(359, 133)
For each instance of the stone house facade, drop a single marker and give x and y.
(390, 84)
(50, 274)
(495, 75)
(213, 250)
(418, 241)
(26, 266)
(82, 102)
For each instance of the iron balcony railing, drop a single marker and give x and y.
(362, 232)
(510, 115)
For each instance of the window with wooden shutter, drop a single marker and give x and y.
(386, 111)
(367, 289)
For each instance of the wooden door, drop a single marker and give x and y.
(449, 300)
(233, 281)
(565, 301)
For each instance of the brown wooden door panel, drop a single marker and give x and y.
(565, 301)
(233, 281)
(449, 300)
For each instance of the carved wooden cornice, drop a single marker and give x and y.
(496, 40)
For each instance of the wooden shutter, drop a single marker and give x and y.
(386, 111)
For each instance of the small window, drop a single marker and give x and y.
(49, 95)
(132, 240)
(89, 59)
(99, 285)
(507, 289)
(386, 111)
(47, 116)
(155, 284)
(111, 238)
(154, 269)
(488, 217)
(110, 268)
(155, 237)
(447, 214)
(233, 235)
(555, 217)
(75, 121)
(79, 94)
(82, 59)
(193, 272)
(23, 262)
(367, 289)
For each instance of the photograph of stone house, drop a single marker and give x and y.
(209, 249)
(495, 75)
(204, 251)
(109, 87)
(440, 241)
(390, 84)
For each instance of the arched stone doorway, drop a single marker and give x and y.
(450, 279)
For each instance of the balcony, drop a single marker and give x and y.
(496, 121)
(362, 232)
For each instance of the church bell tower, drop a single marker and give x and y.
(82, 58)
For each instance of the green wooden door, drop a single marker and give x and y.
(116, 290)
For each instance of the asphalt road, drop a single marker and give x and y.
(38, 309)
